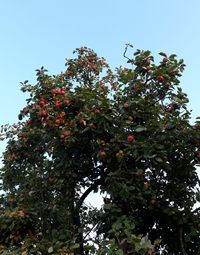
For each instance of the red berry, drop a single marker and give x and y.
(26, 110)
(102, 86)
(66, 133)
(35, 106)
(43, 113)
(102, 153)
(62, 114)
(14, 155)
(42, 100)
(42, 103)
(160, 78)
(97, 110)
(58, 104)
(82, 121)
(57, 121)
(125, 105)
(130, 138)
(62, 92)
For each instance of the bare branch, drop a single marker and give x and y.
(125, 51)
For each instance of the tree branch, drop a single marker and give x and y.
(87, 192)
(181, 241)
(89, 232)
(198, 252)
(125, 51)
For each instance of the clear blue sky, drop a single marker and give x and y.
(37, 33)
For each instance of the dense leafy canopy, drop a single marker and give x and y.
(126, 134)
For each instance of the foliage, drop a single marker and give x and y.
(126, 134)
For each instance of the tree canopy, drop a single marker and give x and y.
(125, 133)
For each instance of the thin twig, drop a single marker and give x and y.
(89, 232)
(125, 51)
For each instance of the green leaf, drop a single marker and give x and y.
(119, 252)
(158, 159)
(140, 129)
(75, 246)
(50, 249)
(162, 54)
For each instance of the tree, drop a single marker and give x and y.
(126, 134)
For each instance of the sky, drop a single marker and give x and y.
(37, 33)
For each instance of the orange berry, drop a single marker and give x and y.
(130, 118)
